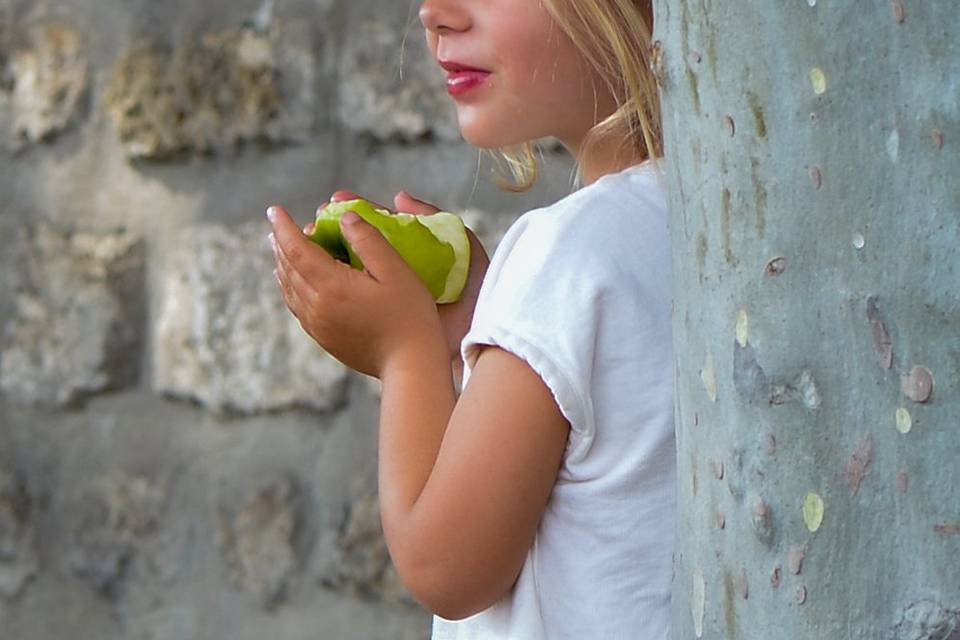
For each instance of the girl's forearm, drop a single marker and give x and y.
(416, 403)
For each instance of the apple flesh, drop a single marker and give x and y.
(435, 246)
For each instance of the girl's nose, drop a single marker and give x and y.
(440, 16)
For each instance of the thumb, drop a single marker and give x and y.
(378, 257)
(406, 203)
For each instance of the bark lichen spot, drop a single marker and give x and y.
(818, 80)
(813, 511)
(903, 420)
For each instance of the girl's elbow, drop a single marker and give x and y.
(443, 591)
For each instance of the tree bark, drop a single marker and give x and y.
(813, 162)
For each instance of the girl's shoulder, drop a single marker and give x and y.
(616, 208)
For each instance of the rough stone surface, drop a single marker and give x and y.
(43, 80)
(78, 315)
(18, 555)
(224, 336)
(258, 541)
(113, 521)
(214, 93)
(390, 97)
(249, 510)
(354, 555)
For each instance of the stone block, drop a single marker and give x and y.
(224, 336)
(392, 88)
(44, 76)
(353, 556)
(78, 318)
(257, 542)
(18, 553)
(112, 523)
(214, 93)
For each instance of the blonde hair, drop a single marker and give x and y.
(614, 38)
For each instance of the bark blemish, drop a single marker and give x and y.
(757, 110)
(858, 240)
(744, 584)
(816, 175)
(716, 466)
(775, 267)
(897, 6)
(743, 327)
(769, 444)
(902, 481)
(702, 249)
(694, 92)
(729, 613)
(893, 145)
(760, 196)
(800, 595)
(802, 389)
(857, 463)
(937, 137)
(725, 231)
(927, 619)
(749, 378)
(729, 125)
(697, 601)
(947, 528)
(720, 519)
(709, 377)
(918, 384)
(775, 577)
(795, 557)
(882, 344)
(693, 474)
(761, 520)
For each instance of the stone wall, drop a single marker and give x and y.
(177, 459)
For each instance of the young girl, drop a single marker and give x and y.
(539, 504)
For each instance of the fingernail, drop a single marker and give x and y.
(271, 213)
(350, 217)
(273, 242)
(277, 276)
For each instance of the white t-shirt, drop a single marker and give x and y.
(581, 291)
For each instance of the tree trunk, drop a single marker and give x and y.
(814, 177)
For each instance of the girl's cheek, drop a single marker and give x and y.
(431, 42)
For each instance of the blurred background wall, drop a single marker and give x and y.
(177, 459)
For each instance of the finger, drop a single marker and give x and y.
(296, 291)
(308, 229)
(344, 195)
(286, 290)
(406, 203)
(303, 256)
(379, 258)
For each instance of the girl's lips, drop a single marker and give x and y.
(461, 81)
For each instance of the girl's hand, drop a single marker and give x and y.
(457, 316)
(366, 319)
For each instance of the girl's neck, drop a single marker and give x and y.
(600, 159)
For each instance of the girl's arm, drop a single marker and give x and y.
(463, 484)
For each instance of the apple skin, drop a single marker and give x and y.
(430, 258)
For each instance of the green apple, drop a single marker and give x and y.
(435, 246)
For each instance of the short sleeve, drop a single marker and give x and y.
(541, 300)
